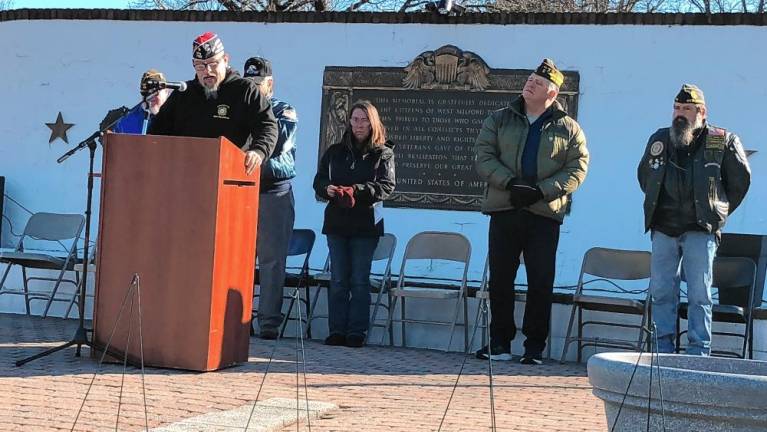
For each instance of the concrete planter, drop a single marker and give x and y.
(699, 393)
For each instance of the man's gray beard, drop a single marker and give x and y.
(210, 94)
(682, 132)
(154, 108)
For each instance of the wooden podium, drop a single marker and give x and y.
(181, 213)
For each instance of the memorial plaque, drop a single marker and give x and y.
(433, 110)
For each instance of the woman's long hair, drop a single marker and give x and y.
(378, 131)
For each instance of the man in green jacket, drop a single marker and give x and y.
(694, 175)
(532, 156)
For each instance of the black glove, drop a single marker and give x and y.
(523, 193)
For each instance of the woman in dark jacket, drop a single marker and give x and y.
(355, 176)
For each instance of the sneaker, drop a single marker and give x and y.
(335, 340)
(268, 333)
(498, 352)
(355, 340)
(531, 359)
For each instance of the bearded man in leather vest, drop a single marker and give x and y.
(694, 175)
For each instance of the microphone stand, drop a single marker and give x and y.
(80, 337)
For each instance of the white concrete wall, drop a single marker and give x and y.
(629, 76)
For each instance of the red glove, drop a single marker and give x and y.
(345, 196)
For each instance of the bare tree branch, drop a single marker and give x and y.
(410, 5)
(192, 4)
(482, 6)
(355, 6)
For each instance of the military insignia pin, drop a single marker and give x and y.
(222, 112)
(656, 148)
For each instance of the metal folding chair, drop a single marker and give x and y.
(433, 245)
(83, 270)
(301, 243)
(609, 266)
(381, 286)
(48, 227)
(734, 281)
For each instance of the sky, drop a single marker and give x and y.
(86, 4)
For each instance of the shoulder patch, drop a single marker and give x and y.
(715, 138)
(715, 131)
(656, 148)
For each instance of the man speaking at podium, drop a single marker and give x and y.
(219, 103)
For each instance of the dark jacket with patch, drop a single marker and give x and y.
(370, 173)
(237, 113)
(719, 171)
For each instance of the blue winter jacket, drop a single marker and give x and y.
(132, 123)
(277, 171)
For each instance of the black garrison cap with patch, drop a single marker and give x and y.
(549, 70)
(690, 93)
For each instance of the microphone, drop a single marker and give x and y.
(159, 85)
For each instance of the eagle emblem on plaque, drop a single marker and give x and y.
(448, 67)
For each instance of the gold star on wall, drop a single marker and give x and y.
(59, 129)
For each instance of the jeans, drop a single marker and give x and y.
(349, 292)
(536, 237)
(276, 214)
(693, 253)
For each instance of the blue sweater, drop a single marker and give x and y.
(532, 144)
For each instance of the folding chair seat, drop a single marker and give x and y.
(51, 228)
(433, 245)
(605, 268)
(733, 281)
(378, 285)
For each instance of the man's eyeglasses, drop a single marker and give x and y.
(204, 66)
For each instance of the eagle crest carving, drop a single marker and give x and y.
(449, 67)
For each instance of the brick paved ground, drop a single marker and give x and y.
(375, 388)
